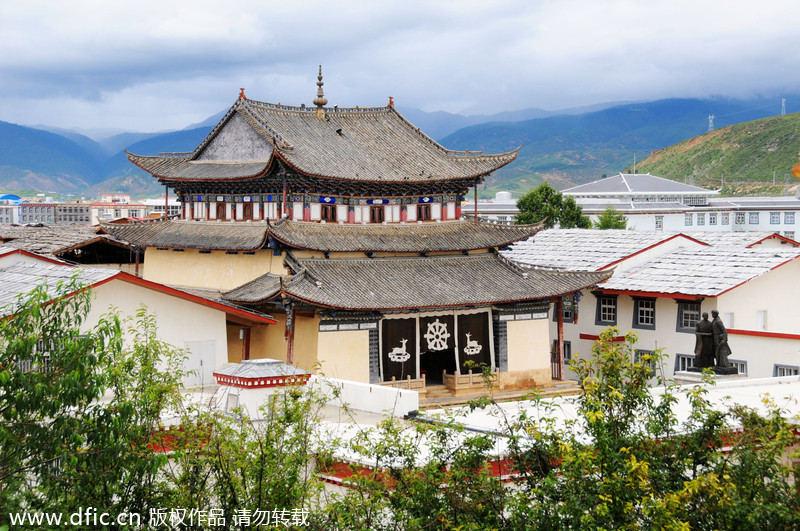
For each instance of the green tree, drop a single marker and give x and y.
(611, 218)
(624, 461)
(78, 406)
(545, 203)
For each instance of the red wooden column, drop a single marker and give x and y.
(560, 353)
(289, 334)
(476, 202)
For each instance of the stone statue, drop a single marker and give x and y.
(704, 350)
(721, 348)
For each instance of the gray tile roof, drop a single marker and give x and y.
(370, 144)
(186, 169)
(582, 249)
(639, 183)
(427, 282)
(736, 239)
(707, 271)
(410, 237)
(179, 234)
(50, 239)
(329, 237)
(257, 290)
(260, 368)
(22, 278)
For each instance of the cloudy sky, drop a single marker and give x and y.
(156, 65)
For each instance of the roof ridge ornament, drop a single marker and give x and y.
(320, 101)
(241, 94)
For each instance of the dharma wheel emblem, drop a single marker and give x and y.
(437, 335)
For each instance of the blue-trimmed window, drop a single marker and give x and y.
(688, 316)
(644, 313)
(606, 313)
(785, 370)
(683, 362)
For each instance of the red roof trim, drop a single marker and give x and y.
(654, 294)
(756, 276)
(242, 314)
(36, 256)
(763, 333)
(777, 236)
(679, 235)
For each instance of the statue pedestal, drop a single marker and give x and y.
(695, 375)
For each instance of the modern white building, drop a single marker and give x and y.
(653, 203)
(663, 282)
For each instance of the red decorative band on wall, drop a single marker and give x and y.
(763, 333)
(259, 383)
(592, 337)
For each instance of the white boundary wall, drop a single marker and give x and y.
(367, 397)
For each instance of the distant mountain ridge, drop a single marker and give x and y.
(564, 147)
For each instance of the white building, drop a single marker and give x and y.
(202, 326)
(653, 203)
(663, 282)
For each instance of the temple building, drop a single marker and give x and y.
(345, 224)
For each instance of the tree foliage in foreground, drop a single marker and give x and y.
(625, 461)
(81, 414)
(545, 203)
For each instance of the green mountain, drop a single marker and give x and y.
(44, 161)
(570, 150)
(574, 147)
(746, 157)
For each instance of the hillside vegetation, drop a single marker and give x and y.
(745, 154)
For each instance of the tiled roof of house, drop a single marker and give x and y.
(706, 271)
(50, 239)
(19, 279)
(582, 249)
(424, 282)
(737, 239)
(370, 144)
(329, 237)
(176, 234)
(410, 237)
(639, 183)
(186, 169)
(257, 290)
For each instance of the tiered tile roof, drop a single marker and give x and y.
(368, 145)
(329, 237)
(417, 283)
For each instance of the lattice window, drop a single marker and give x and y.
(644, 313)
(688, 314)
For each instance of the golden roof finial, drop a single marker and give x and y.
(320, 100)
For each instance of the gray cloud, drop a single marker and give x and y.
(156, 65)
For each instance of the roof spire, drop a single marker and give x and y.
(320, 100)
